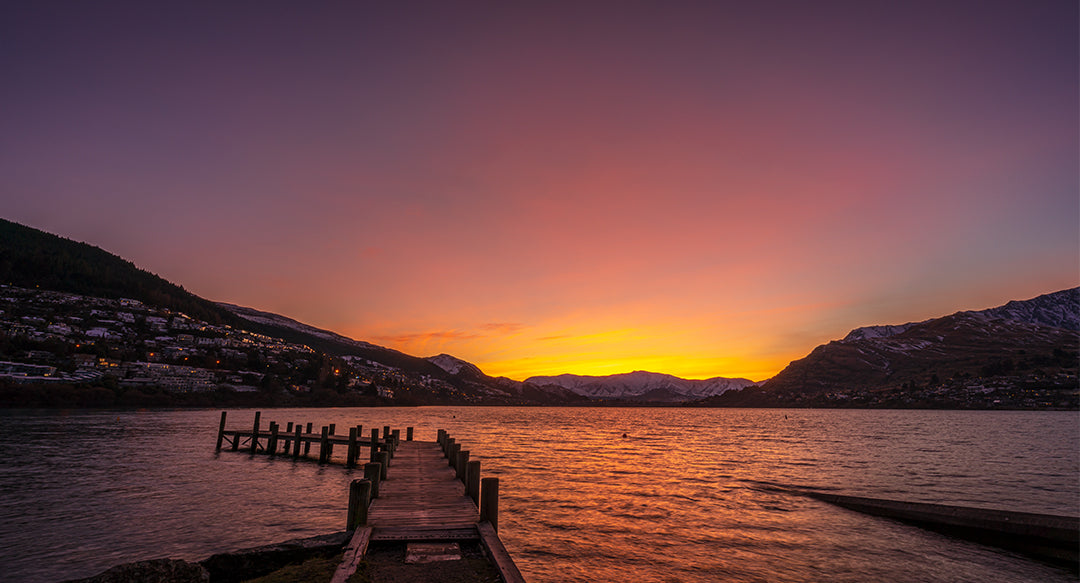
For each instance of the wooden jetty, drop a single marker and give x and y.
(1054, 539)
(412, 491)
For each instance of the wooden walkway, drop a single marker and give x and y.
(413, 492)
(421, 498)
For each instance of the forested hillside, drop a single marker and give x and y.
(32, 258)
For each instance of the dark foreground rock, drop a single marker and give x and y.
(154, 571)
(231, 567)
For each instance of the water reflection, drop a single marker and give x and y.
(675, 500)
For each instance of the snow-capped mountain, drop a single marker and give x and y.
(1026, 337)
(1058, 310)
(641, 385)
(868, 332)
(278, 321)
(454, 365)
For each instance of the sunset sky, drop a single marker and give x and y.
(696, 188)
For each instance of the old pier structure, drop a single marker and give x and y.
(412, 491)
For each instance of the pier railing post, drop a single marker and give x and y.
(285, 438)
(359, 498)
(472, 482)
(330, 444)
(271, 445)
(221, 431)
(396, 434)
(453, 455)
(489, 501)
(384, 459)
(307, 444)
(373, 473)
(374, 444)
(350, 458)
(255, 433)
(462, 462)
(408, 430)
(296, 446)
(386, 432)
(324, 445)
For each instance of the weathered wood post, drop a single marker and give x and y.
(396, 434)
(373, 473)
(359, 431)
(453, 455)
(255, 433)
(384, 459)
(307, 444)
(324, 449)
(489, 501)
(271, 446)
(448, 447)
(386, 432)
(350, 458)
(285, 439)
(462, 462)
(221, 431)
(359, 499)
(408, 432)
(472, 483)
(441, 436)
(374, 444)
(296, 446)
(330, 444)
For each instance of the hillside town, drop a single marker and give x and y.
(50, 338)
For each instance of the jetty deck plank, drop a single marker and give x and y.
(421, 493)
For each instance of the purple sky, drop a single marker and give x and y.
(698, 188)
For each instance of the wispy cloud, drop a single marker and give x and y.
(482, 331)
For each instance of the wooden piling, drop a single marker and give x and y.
(386, 432)
(455, 448)
(221, 431)
(285, 440)
(384, 460)
(359, 499)
(271, 445)
(462, 462)
(307, 444)
(489, 501)
(330, 444)
(255, 434)
(408, 431)
(472, 482)
(296, 446)
(324, 446)
(350, 458)
(373, 473)
(374, 444)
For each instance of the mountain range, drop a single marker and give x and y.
(1025, 341)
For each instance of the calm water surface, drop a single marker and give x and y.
(677, 499)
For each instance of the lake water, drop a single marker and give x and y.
(677, 499)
